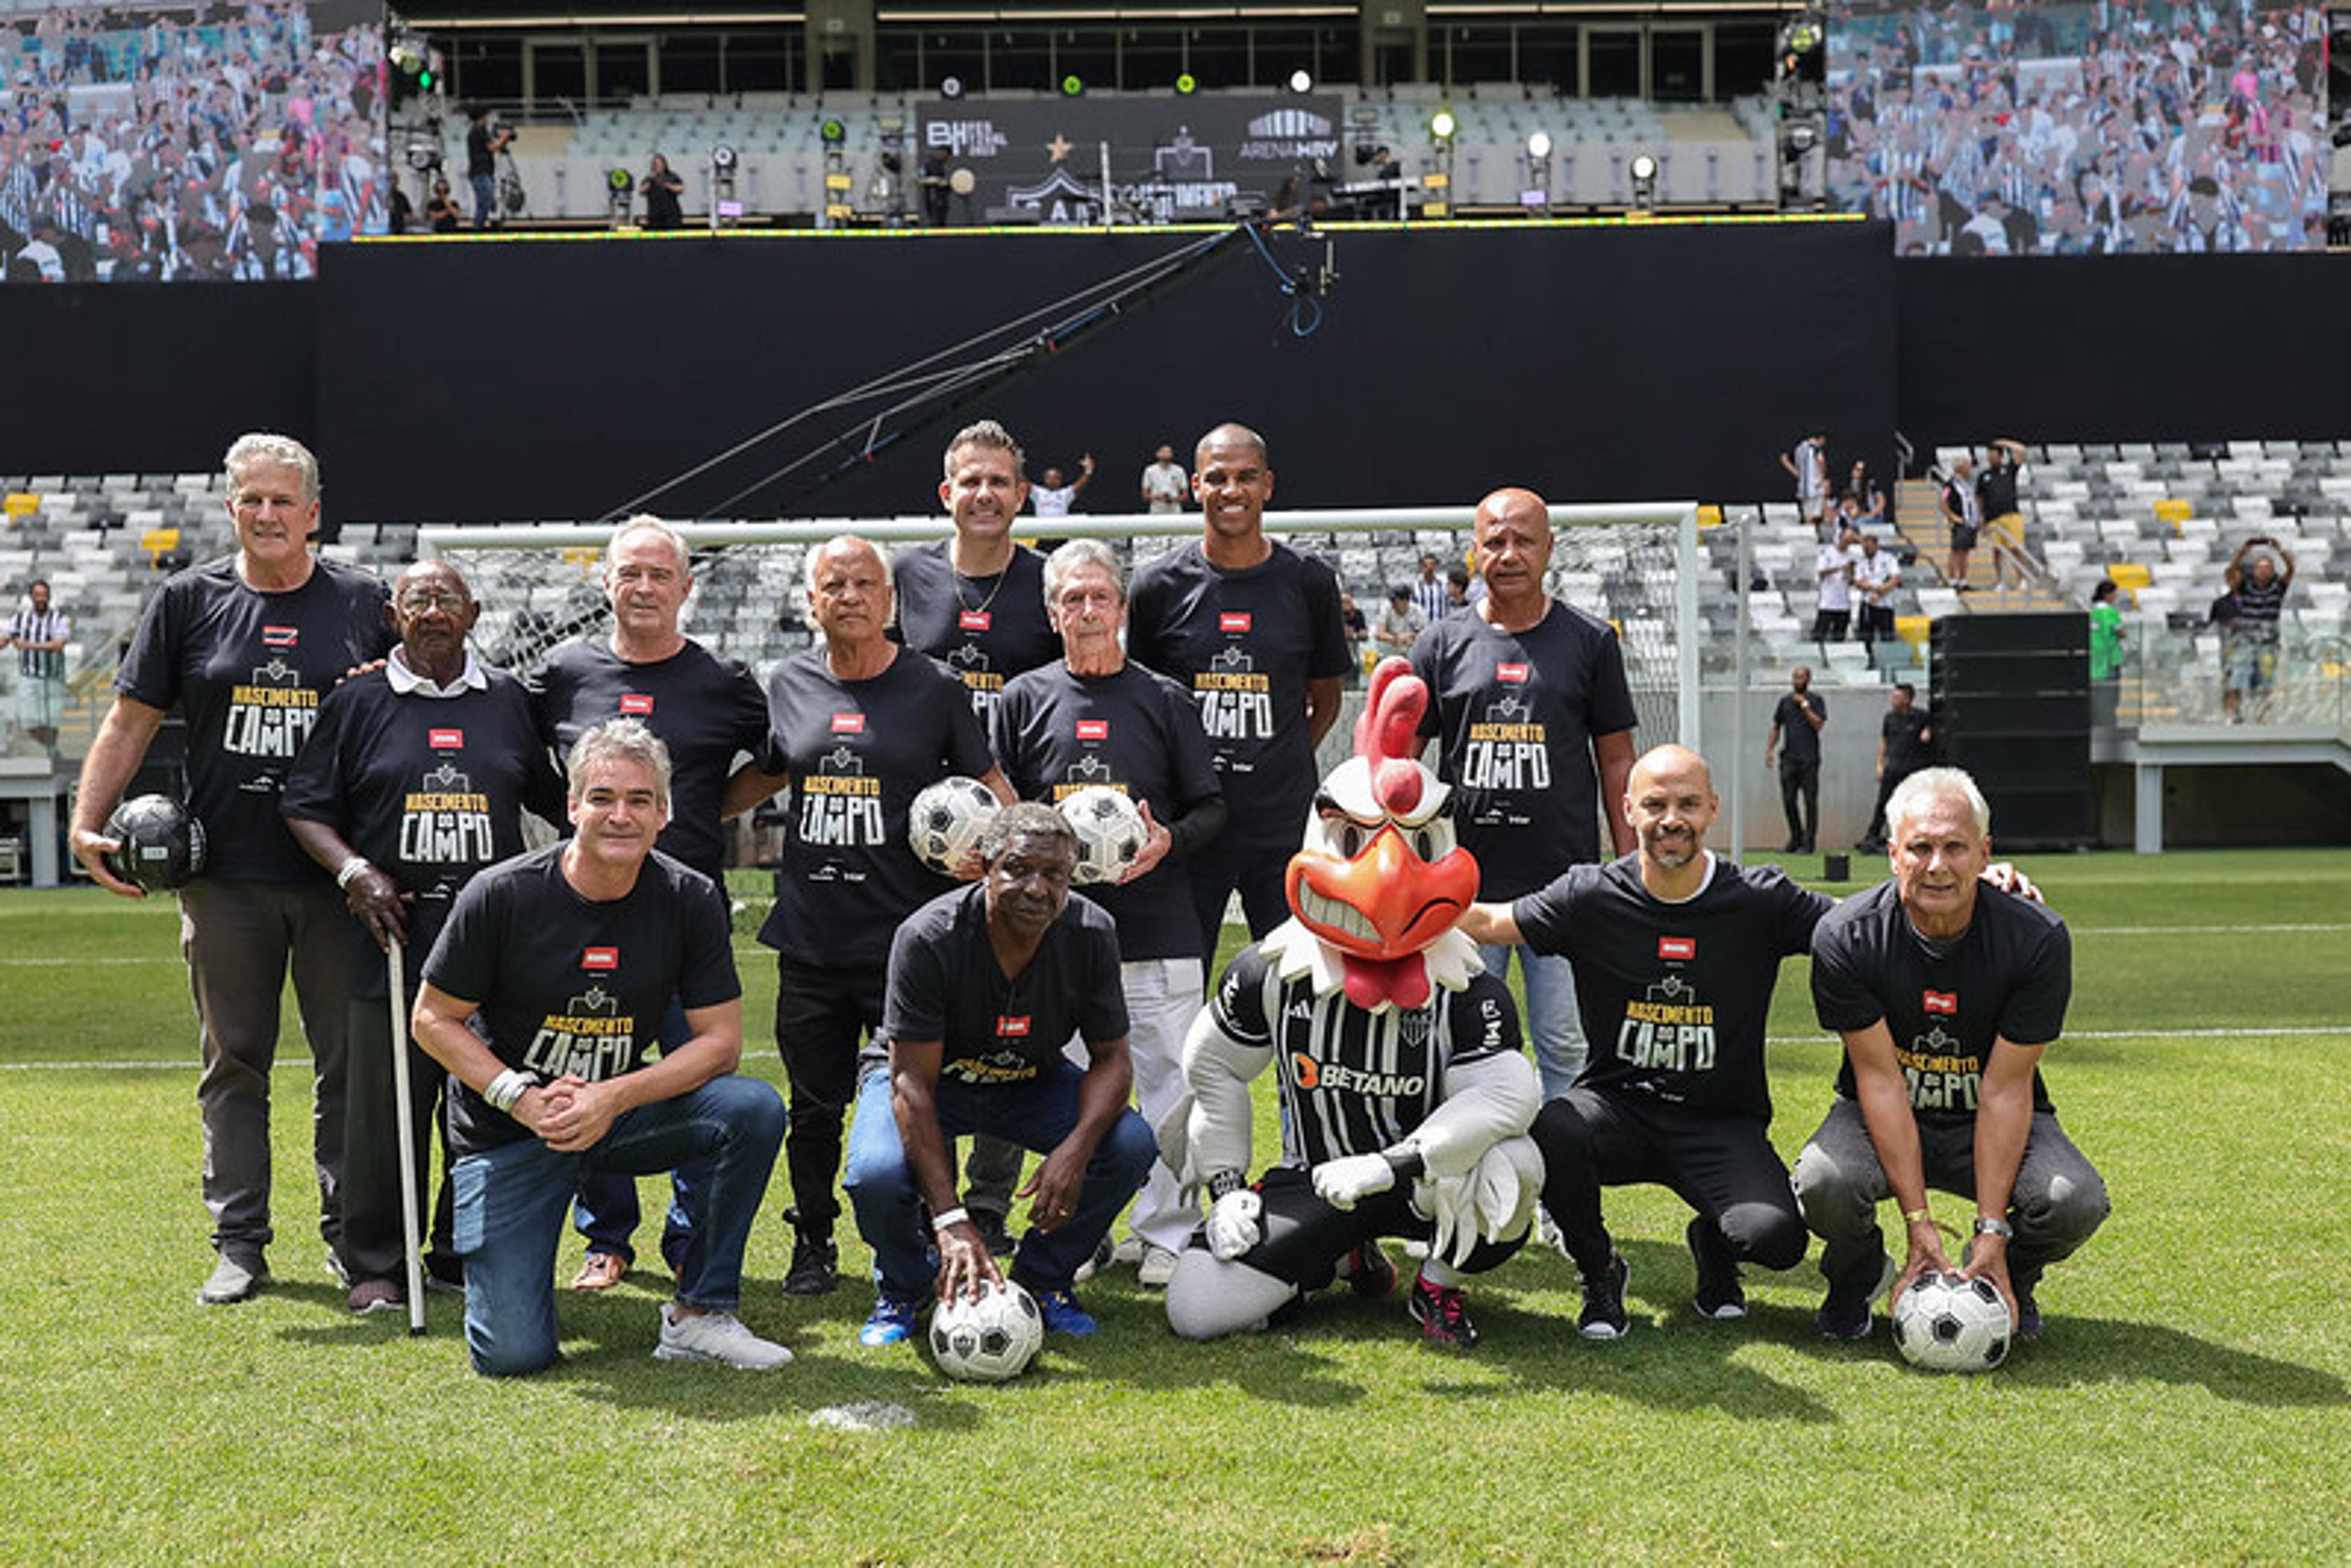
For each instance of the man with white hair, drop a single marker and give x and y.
(245, 647)
(1946, 993)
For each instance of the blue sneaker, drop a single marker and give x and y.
(892, 1322)
(1061, 1312)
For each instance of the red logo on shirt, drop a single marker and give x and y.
(1233, 620)
(636, 705)
(974, 619)
(1514, 674)
(447, 739)
(280, 636)
(1942, 1001)
(849, 724)
(600, 959)
(1677, 946)
(1094, 730)
(1012, 1028)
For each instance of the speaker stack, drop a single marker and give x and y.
(2009, 701)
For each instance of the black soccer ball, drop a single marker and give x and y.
(163, 844)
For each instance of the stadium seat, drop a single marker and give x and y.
(2130, 576)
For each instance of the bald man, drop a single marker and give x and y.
(1534, 728)
(1676, 955)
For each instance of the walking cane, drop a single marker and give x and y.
(402, 1109)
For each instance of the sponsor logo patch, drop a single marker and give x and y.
(636, 705)
(1233, 620)
(1094, 730)
(1516, 675)
(849, 724)
(974, 619)
(1012, 1028)
(1942, 1001)
(280, 636)
(446, 739)
(600, 959)
(1677, 946)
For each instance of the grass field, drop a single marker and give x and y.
(2190, 1404)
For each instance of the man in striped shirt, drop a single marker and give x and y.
(38, 634)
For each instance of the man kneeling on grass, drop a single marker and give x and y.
(543, 997)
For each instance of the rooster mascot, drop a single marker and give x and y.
(1405, 1097)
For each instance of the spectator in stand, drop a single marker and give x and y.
(1428, 591)
(1400, 624)
(1808, 464)
(2002, 517)
(1963, 512)
(1876, 578)
(1865, 494)
(1053, 498)
(39, 632)
(1358, 630)
(1798, 719)
(1833, 574)
(1164, 483)
(2106, 632)
(2249, 642)
(1905, 743)
(1462, 591)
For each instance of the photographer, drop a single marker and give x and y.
(483, 142)
(661, 188)
(2249, 642)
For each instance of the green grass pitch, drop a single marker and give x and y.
(2192, 1403)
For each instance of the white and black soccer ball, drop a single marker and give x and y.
(1949, 1323)
(989, 1338)
(162, 843)
(1109, 832)
(946, 820)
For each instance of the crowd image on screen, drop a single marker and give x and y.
(202, 143)
(2137, 125)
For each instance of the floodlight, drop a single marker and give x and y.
(619, 178)
(1187, 85)
(951, 87)
(1073, 85)
(1442, 125)
(723, 158)
(1302, 80)
(1644, 168)
(1539, 145)
(832, 132)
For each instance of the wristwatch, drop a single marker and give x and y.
(1988, 1226)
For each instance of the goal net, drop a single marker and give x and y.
(1634, 565)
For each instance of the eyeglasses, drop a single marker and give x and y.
(431, 599)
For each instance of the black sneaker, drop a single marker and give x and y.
(992, 1232)
(1443, 1314)
(816, 1266)
(2023, 1282)
(1720, 1294)
(1603, 1315)
(1370, 1272)
(1846, 1316)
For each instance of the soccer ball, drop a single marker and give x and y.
(1109, 832)
(162, 843)
(989, 1338)
(945, 821)
(1948, 1322)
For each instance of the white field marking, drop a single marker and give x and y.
(2319, 1031)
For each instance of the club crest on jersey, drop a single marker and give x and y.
(636, 705)
(1677, 947)
(281, 636)
(1094, 730)
(849, 724)
(1942, 1001)
(1233, 622)
(974, 621)
(1514, 674)
(1012, 1028)
(446, 739)
(600, 959)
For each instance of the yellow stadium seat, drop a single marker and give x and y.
(1709, 516)
(584, 557)
(158, 543)
(2173, 511)
(1915, 631)
(2130, 576)
(20, 503)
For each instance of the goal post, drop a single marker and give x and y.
(1636, 564)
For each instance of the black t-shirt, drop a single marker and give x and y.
(1906, 747)
(1137, 732)
(2008, 975)
(1799, 741)
(479, 160)
(661, 208)
(1355, 1082)
(984, 629)
(568, 984)
(1996, 490)
(945, 984)
(707, 710)
(249, 669)
(1675, 997)
(858, 753)
(430, 789)
(1514, 714)
(1245, 643)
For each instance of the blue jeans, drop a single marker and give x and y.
(485, 196)
(1037, 1115)
(1552, 1024)
(511, 1203)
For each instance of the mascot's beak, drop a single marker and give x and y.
(1387, 901)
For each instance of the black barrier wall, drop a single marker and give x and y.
(562, 378)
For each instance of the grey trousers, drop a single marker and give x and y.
(240, 938)
(2058, 1200)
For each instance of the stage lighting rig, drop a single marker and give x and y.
(1642, 168)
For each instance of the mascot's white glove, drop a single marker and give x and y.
(1348, 1180)
(1233, 1225)
(1495, 1198)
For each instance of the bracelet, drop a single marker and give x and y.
(940, 1223)
(349, 870)
(507, 1090)
(1913, 1216)
(1225, 1182)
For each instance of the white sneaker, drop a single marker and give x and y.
(1130, 1252)
(1157, 1267)
(715, 1336)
